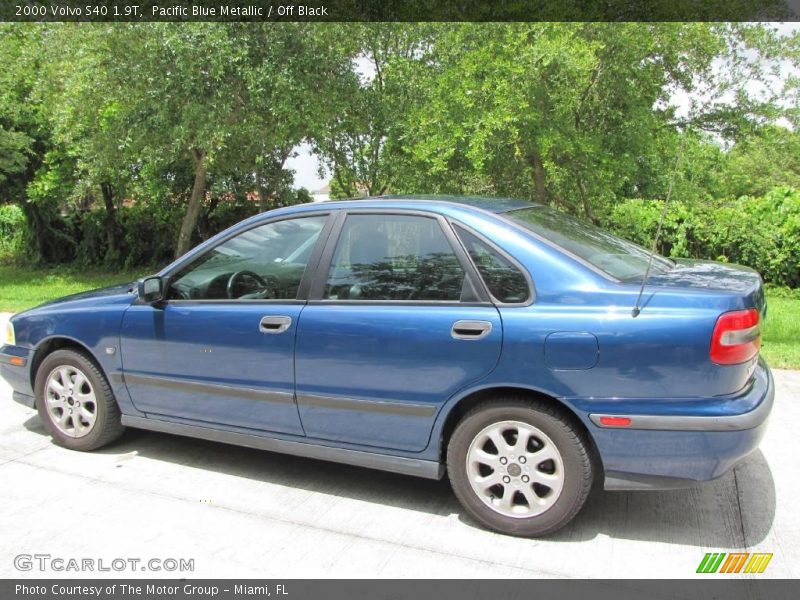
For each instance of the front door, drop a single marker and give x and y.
(221, 351)
(394, 328)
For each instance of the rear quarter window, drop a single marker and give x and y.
(505, 280)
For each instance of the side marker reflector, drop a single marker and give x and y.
(615, 421)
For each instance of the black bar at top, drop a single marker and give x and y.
(400, 10)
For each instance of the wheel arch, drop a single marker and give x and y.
(57, 342)
(453, 414)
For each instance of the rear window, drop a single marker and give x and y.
(617, 257)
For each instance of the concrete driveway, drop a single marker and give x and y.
(246, 513)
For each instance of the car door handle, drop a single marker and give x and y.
(274, 324)
(471, 330)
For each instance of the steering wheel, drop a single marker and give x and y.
(239, 278)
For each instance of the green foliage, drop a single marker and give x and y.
(121, 140)
(149, 231)
(777, 291)
(13, 231)
(760, 232)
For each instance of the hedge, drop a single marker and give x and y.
(146, 233)
(13, 229)
(760, 232)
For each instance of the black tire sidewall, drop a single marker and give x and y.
(102, 400)
(574, 454)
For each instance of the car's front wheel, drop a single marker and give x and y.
(519, 467)
(75, 401)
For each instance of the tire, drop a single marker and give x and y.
(66, 381)
(533, 493)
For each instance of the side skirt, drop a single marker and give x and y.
(383, 462)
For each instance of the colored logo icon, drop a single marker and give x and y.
(734, 562)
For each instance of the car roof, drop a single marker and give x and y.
(494, 205)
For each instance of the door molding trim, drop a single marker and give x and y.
(210, 388)
(394, 408)
(427, 469)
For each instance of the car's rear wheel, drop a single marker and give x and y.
(75, 401)
(519, 467)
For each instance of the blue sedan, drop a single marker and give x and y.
(496, 341)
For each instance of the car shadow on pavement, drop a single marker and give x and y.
(734, 511)
(347, 481)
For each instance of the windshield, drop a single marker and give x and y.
(617, 257)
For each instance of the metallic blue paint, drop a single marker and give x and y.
(361, 375)
(395, 354)
(213, 343)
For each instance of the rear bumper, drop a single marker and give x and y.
(675, 447)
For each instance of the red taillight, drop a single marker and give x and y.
(736, 338)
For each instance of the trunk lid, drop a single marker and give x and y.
(715, 276)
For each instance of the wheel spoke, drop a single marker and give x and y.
(87, 415)
(507, 497)
(80, 379)
(85, 398)
(499, 441)
(548, 479)
(489, 480)
(547, 453)
(521, 443)
(533, 500)
(481, 456)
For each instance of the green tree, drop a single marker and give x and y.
(767, 159)
(229, 97)
(572, 114)
(25, 135)
(360, 141)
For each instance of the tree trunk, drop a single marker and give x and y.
(193, 210)
(264, 198)
(110, 221)
(538, 177)
(587, 205)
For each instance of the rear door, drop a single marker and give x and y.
(397, 322)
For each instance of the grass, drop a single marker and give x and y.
(780, 343)
(22, 288)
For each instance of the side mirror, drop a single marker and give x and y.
(151, 289)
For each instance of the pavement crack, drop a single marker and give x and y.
(739, 507)
(21, 456)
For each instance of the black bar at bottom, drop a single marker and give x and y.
(375, 589)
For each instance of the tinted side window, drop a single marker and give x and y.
(394, 257)
(504, 279)
(265, 262)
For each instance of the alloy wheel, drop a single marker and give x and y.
(515, 469)
(70, 401)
